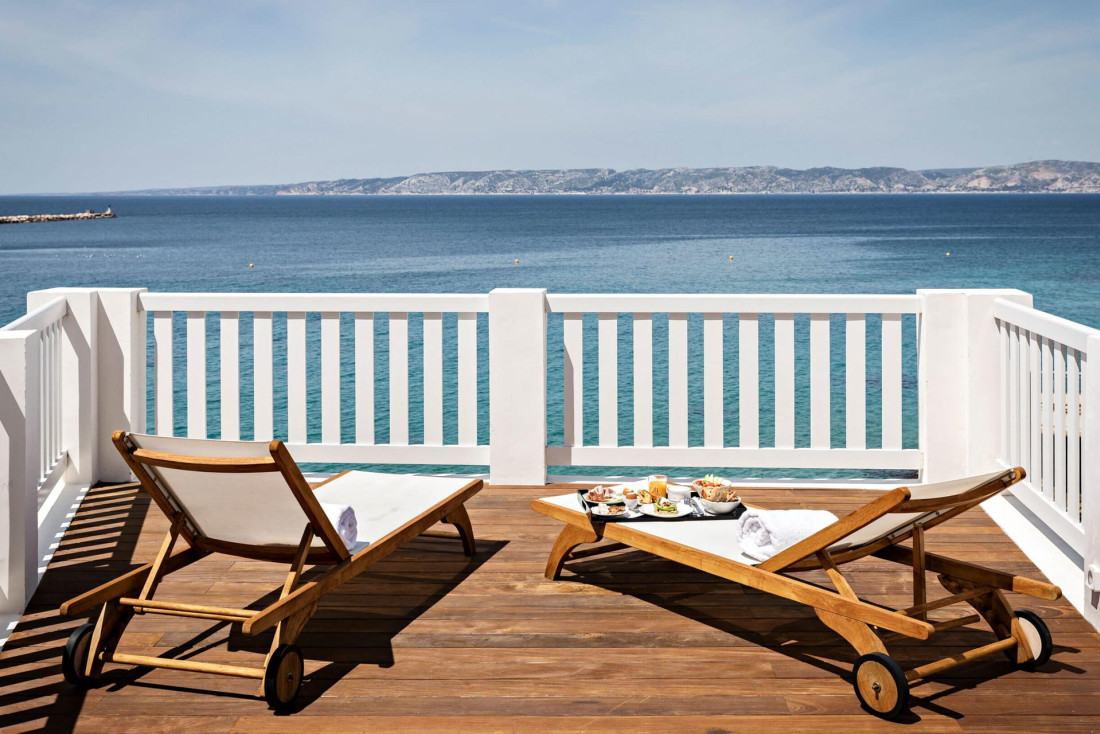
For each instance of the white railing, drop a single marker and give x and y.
(1043, 396)
(830, 438)
(321, 394)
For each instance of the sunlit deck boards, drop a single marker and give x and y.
(427, 641)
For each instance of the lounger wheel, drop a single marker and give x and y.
(1038, 637)
(74, 658)
(283, 676)
(881, 685)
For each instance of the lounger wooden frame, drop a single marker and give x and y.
(132, 593)
(858, 621)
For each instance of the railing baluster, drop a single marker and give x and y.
(433, 379)
(364, 378)
(162, 370)
(196, 374)
(643, 379)
(1035, 411)
(1073, 430)
(748, 369)
(296, 377)
(230, 375)
(573, 344)
(820, 410)
(467, 379)
(330, 377)
(399, 379)
(263, 376)
(713, 368)
(891, 381)
(1014, 395)
(608, 359)
(1060, 425)
(1005, 360)
(677, 380)
(855, 381)
(784, 380)
(1047, 412)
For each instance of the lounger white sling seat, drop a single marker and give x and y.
(876, 529)
(250, 500)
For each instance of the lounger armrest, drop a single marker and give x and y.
(974, 573)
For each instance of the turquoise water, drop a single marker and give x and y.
(1047, 245)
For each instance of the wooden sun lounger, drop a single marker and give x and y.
(250, 500)
(876, 529)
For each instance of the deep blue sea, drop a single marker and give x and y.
(1048, 245)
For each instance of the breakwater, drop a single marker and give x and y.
(26, 218)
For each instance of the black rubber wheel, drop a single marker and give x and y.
(1035, 629)
(283, 677)
(74, 658)
(881, 686)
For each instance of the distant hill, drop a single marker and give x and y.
(1034, 177)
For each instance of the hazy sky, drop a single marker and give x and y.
(119, 95)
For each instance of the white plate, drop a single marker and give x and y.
(616, 499)
(602, 510)
(681, 510)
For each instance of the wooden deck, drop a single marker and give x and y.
(625, 642)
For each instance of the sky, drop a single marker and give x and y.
(107, 96)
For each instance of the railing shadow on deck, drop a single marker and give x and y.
(803, 637)
(98, 545)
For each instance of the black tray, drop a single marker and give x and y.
(706, 517)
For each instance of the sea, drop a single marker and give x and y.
(1047, 245)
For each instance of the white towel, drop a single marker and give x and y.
(763, 533)
(342, 518)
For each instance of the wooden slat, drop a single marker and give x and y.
(162, 371)
(1059, 433)
(855, 381)
(1035, 468)
(713, 368)
(1046, 410)
(231, 375)
(573, 343)
(643, 379)
(196, 374)
(608, 366)
(784, 381)
(433, 379)
(296, 376)
(891, 381)
(748, 366)
(399, 379)
(364, 378)
(1073, 435)
(677, 379)
(820, 407)
(263, 377)
(330, 377)
(467, 379)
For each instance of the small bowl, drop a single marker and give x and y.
(719, 508)
(678, 493)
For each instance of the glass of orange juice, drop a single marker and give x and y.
(658, 485)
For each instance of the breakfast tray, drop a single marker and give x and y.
(705, 517)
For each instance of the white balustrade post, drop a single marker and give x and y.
(121, 357)
(79, 379)
(942, 363)
(517, 386)
(983, 373)
(1090, 479)
(19, 464)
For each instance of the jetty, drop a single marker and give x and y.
(26, 218)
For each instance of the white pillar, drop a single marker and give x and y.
(1090, 480)
(19, 464)
(517, 386)
(121, 357)
(79, 379)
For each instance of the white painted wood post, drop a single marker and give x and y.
(983, 375)
(79, 379)
(942, 363)
(19, 437)
(517, 386)
(121, 383)
(1090, 480)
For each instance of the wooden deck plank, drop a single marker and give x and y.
(625, 642)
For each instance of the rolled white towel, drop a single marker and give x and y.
(763, 533)
(342, 518)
